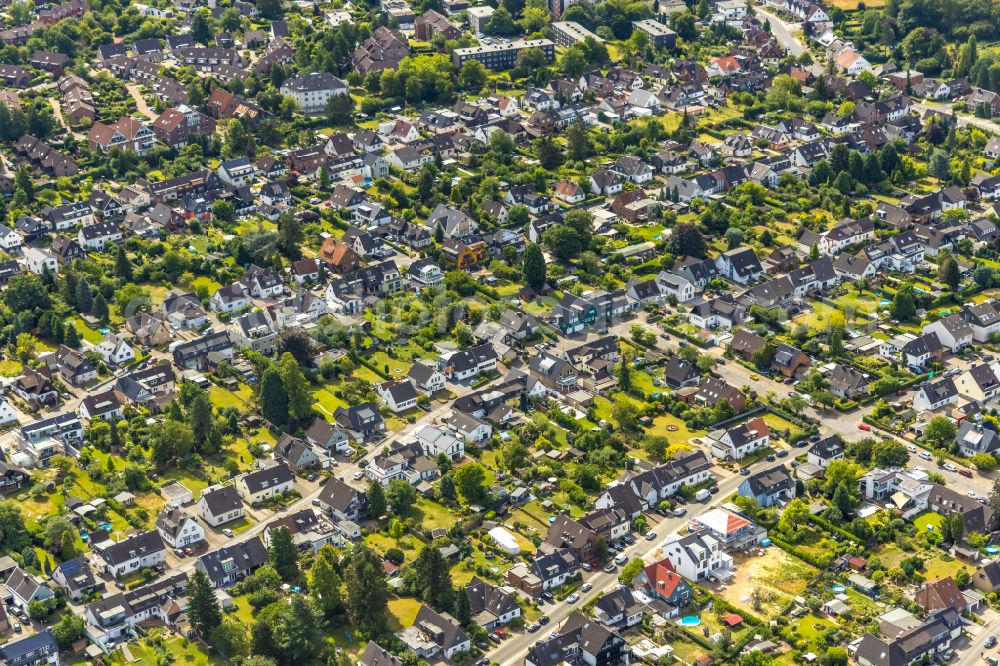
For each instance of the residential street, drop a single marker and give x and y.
(782, 31)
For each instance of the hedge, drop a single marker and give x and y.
(698, 342)
(808, 558)
(830, 527)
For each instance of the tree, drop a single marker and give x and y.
(290, 235)
(473, 75)
(686, 241)
(578, 142)
(534, 267)
(324, 584)
(273, 399)
(573, 61)
(843, 501)
(67, 546)
(14, 536)
(957, 527)
(904, 303)
(101, 310)
(400, 495)
(298, 632)
(282, 554)
(367, 594)
(889, 453)
(940, 433)
(376, 500)
(68, 630)
(206, 435)
(939, 166)
(432, 578)
(269, 8)
(230, 638)
(470, 482)
(296, 342)
(630, 571)
(339, 108)
(200, 30)
(123, 267)
(84, 299)
(203, 606)
(296, 388)
(949, 272)
(501, 23)
(686, 26)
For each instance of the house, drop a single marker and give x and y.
(736, 442)
(698, 557)
(984, 318)
(426, 377)
(789, 361)
(398, 396)
(230, 298)
(579, 640)
(76, 578)
(935, 395)
(740, 265)
(234, 562)
(178, 528)
(219, 505)
(98, 236)
(434, 633)
(769, 487)
(939, 595)
(308, 528)
(986, 579)
(311, 91)
(35, 387)
(141, 551)
(491, 606)
(953, 331)
(327, 436)
(113, 619)
(21, 588)
(548, 571)
(340, 500)
(660, 581)
(437, 441)
(924, 641)
(825, 451)
(555, 373)
(566, 533)
(361, 421)
(184, 311)
(618, 608)
(847, 382)
(104, 406)
(34, 650)
(204, 352)
(746, 344)
(679, 373)
(115, 350)
(375, 654)
(973, 438)
(264, 484)
(239, 172)
(124, 134)
(469, 363)
(73, 366)
(978, 383)
(295, 453)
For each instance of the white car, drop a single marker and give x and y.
(358, 476)
(925, 455)
(911, 448)
(950, 467)
(586, 587)
(573, 598)
(971, 493)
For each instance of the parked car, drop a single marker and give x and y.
(228, 532)
(609, 567)
(925, 455)
(950, 467)
(990, 642)
(358, 476)
(586, 587)
(650, 535)
(586, 566)
(967, 473)
(548, 597)
(680, 512)
(971, 493)
(911, 448)
(533, 627)
(745, 471)
(783, 453)
(543, 620)
(864, 426)
(771, 458)
(573, 598)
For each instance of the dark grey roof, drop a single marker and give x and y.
(132, 547)
(221, 500)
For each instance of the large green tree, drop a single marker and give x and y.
(282, 553)
(534, 267)
(367, 594)
(203, 606)
(273, 399)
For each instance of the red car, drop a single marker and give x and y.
(864, 426)
(967, 473)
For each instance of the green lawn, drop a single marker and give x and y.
(431, 515)
(10, 368)
(86, 333)
(222, 397)
(327, 402)
(927, 519)
(402, 612)
(173, 649)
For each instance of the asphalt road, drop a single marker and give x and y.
(782, 31)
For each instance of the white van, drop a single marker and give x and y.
(622, 558)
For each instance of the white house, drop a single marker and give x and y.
(398, 396)
(312, 90)
(736, 442)
(219, 505)
(954, 332)
(435, 440)
(697, 557)
(230, 298)
(265, 483)
(115, 350)
(178, 528)
(141, 551)
(40, 259)
(7, 413)
(426, 377)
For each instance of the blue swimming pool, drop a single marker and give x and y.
(690, 620)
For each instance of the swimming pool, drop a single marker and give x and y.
(690, 620)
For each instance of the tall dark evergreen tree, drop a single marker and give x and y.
(203, 606)
(282, 554)
(367, 593)
(273, 399)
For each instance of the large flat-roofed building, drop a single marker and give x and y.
(502, 56)
(660, 36)
(568, 33)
